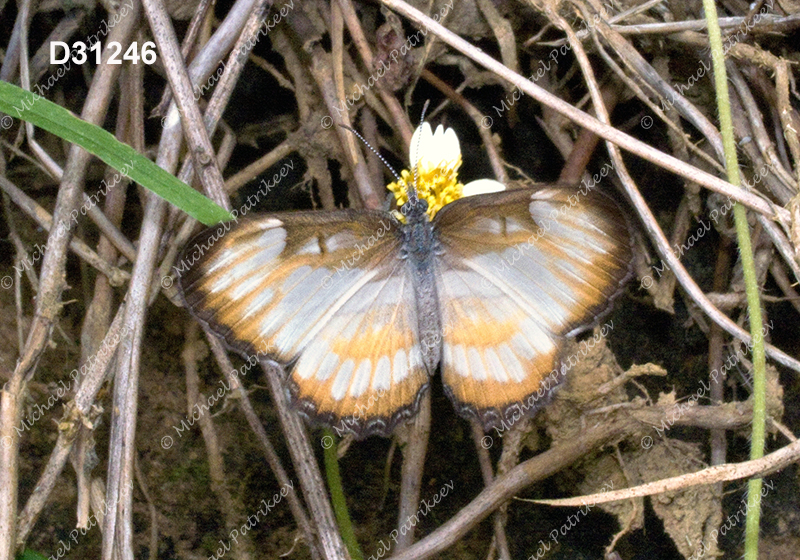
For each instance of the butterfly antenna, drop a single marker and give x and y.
(374, 151)
(416, 150)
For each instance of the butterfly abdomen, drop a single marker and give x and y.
(418, 247)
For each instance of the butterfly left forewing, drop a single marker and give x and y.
(324, 292)
(517, 272)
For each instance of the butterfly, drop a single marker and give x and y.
(361, 306)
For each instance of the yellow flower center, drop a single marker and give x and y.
(437, 185)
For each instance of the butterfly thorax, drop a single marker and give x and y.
(418, 234)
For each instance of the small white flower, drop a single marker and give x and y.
(435, 158)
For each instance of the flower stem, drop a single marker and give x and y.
(750, 281)
(338, 499)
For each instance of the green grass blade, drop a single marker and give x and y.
(31, 555)
(53, 118)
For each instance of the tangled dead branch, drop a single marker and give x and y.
(253, 84)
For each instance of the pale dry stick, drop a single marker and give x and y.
(509, 458)
(284, 43)
(230, 506)
(785, 284)
(371, 98)
(52, 283)
(717, 439)
(756, 120)
(578, 153)
(306, 466)
(663, 298)
(788, 115)
(211, 117)
(197, 138)
(126, 382)
(198, 19)
(768, 464)
(742, 129)
(503, 34)
(377, 100)
(129, 125)
(116, 276)
(98, 313)
(777, 235)
(637, 63)
(337, 50)
(322, 68)
(337, 71)
(78, 410)
(558, 457)
(635, 10)
(12, 54)
(221, 96)
(485, 461)
(25, 82)
(401, 121)
(20, 250)
(663, 115)
(790, 123)
(91, 209)
(270, 454)
(273, 71)
(782, 429)
(118, 536)
(768, 24)
(716, 345)
(109, 230)
(756, 69)
(413, 440)
(253, 170)
(369, 129)
(637, 147)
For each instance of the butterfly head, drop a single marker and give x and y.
(435, 158)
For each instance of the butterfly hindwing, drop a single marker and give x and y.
(517, 272)
(326, 293)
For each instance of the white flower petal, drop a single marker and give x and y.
(449, 149)
(421, 141)
(433, 149)
(482, 186)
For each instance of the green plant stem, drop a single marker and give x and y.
(337, 498)
(750, 281)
